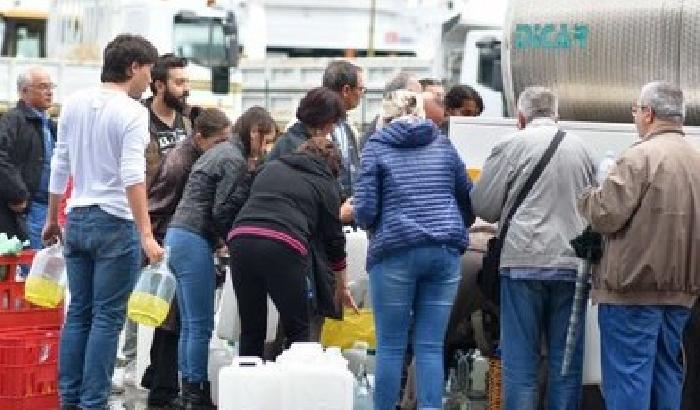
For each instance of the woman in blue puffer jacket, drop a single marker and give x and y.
(412, 196)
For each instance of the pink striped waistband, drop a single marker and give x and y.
(283, 237)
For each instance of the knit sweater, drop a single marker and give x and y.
(412, 190)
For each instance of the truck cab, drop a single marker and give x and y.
(22, 30)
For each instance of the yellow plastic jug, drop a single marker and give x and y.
(149, 302)
(45, 283)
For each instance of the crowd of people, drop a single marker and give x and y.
(156, 174)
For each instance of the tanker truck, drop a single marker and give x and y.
(595, 56)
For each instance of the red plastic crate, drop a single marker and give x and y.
(14, 310)
(28, 369)
(29, 336)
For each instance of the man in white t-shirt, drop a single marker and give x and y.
(102, 138)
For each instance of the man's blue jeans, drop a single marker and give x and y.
(532, 310)
(192, 263)
(421, 281)
(641, 356)
(103, 257)
(36, 218)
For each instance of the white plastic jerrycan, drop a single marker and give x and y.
(314, 380)
(248, 384)
(149, 302)
(45, 284)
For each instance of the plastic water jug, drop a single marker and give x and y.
(45, 284)
(477, 377)
(357, 357)
(219, 358)
(149, 302)
(248, 384)
(316, 380)
(363, 391)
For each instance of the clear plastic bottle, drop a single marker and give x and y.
(45, 284)
(454, 397)
(604, 167)
(363, 391)
(357, 356)
(149, 302)
(477, 377)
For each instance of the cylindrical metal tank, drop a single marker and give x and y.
(597, 54)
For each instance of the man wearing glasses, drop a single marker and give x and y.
(347, 80)
(649, 276)
(27, 138)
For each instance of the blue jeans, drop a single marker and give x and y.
(36, 218)
(421, 281)
(103, 257)
(531, 310)
(192, 263)
(640, 355)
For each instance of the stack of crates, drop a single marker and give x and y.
(29, 338)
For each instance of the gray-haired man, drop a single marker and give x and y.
(649, 277)
(27, 138)
(538, 265)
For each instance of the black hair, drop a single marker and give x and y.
(426, 82)
(121, 53)
(456, 95)
(159, 72)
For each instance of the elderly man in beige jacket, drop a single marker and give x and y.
(648, 211)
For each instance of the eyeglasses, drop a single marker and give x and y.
(44, 86)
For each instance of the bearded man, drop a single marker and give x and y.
(170, 86)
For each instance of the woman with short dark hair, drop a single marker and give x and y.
(290, 219)
(318, 112)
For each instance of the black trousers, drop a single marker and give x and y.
(161, 376)
(261, 266)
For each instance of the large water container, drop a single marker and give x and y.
(304, 377)
(248, 384)
(219, 357)
(596, 55)
(316, 381)
(46, 281)
(150, 300)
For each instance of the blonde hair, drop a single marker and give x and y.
(400, 104)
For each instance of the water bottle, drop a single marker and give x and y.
(454, 398)
(357, 357)
(478, 374)
(363, 391)
(150, 300)
(605, 165)
(45, 284)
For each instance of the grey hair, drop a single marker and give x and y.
(399, 82)
(665, 100)
(25, 77)
(23, 80)
(538, 102)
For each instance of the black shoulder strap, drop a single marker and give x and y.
(530, 182)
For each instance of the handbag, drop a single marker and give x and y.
(488, 278)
